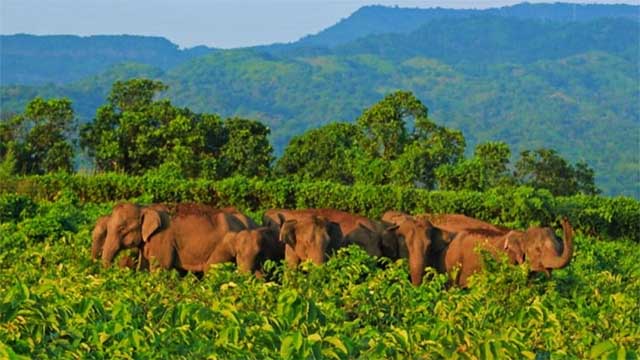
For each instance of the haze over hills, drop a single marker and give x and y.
(528, 74)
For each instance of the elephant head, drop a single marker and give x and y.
(251, 248)
(513, 247)
(129, 226)
(545, 251)
(311, 238)
(417, 238)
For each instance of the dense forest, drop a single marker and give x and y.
(393, 142)
(529, 79)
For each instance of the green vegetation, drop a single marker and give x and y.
(568, 86)
(393, 142)
(30, 59)
(36, 142)
(518, 207)
(59, 303)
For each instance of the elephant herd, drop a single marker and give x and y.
(192, 237)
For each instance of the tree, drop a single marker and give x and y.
(133, 132)
(321, 154)
(412, 155)
(494, 155)
(134, 94)
(384, 124)
(38, 138)
(544, 168)
(585, 179)
(247, 150)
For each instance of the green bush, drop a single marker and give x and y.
(517, 207)
(14, 207)
(58, 303)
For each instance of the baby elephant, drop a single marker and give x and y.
(249, 249)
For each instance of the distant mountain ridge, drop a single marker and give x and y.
(377, 19)
(31, 59)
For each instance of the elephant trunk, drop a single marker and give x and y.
(563, 260)
(110, 250)
(416, 267)
(96, 247)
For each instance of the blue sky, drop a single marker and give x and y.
(218, 23)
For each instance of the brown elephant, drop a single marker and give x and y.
(191, 239)
(99, 234)
(424, 242)
(307, 237)
(246, 221)
(543, 250)
(455, 223)
(376, 238)
(128, 227)
(249, 249)
(463, 252)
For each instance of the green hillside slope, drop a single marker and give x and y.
(29, 59)
(568, 86)
(372, 20)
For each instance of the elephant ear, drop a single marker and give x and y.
(513, 242)
(288, 232)
(282, 219)
(151, 222)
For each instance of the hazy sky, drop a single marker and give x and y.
(218, 23)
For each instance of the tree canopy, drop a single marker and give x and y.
(392, 142)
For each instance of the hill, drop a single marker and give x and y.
(371, 20)
(572, 86)
(29, 59)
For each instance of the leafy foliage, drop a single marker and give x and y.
(36, 142)
(59, 303)
(544, 168)
(567, 85)
(134, 132)
(517, 207)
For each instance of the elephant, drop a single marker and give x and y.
(191, 239)
(376, 238)
(246, 221)
(128, 227)
(455, 223)
(463, 252)
(539, 245)
(423, 242)
(308, 237)
(249, 249)
(543, 250)
(99, 234)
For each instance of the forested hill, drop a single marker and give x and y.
(371, 20)
(571, 86)
(29, 59)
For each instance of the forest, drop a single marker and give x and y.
(567, 83)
